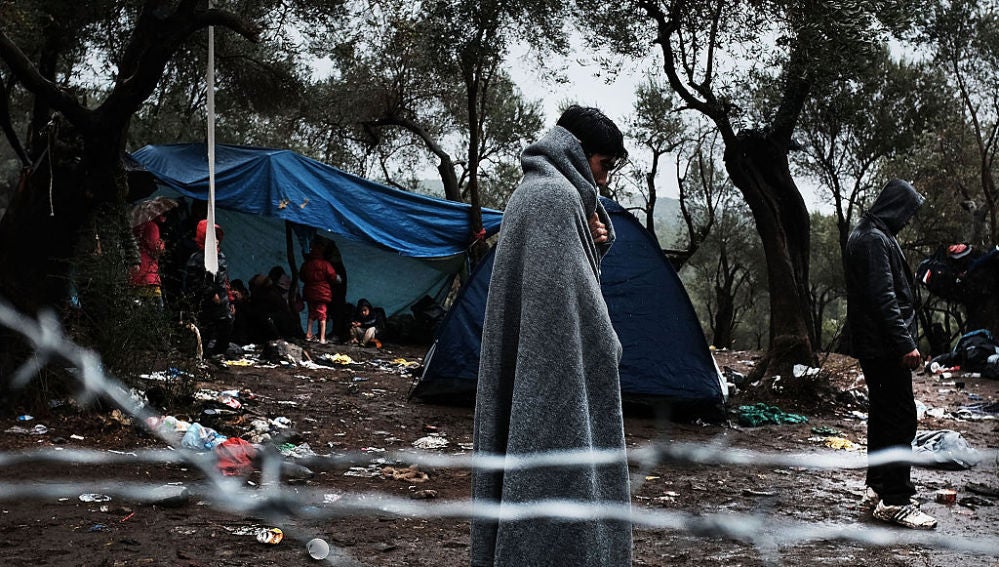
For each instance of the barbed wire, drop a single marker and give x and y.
(274, 502)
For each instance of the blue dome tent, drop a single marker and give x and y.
(665, 355)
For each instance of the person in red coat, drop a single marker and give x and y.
(145, 278)
(318, 279)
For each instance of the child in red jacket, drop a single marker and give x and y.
(318, 279)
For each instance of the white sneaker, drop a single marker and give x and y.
(908, 515)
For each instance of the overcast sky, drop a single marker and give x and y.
(615, 96)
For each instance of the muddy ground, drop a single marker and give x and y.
(348, 408)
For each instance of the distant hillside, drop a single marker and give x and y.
(669, 223)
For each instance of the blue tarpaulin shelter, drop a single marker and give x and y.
(397, 246)
(665, 355)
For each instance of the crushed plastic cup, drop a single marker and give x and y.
(318, 548)
(270, 536)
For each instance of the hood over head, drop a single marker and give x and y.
(201, 232)
(560, 149)
(896, 205)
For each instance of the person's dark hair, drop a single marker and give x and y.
(596, 133)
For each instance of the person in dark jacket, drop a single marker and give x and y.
(881, 314)
(210, 293)
(367, 324)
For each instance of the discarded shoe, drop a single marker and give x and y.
(909, 516)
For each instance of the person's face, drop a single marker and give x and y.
(602, 166)
(365, 312)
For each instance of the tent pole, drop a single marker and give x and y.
(293, 268)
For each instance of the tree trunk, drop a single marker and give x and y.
(478, 249)
(724, 319)
(760, 170)
(49, 215)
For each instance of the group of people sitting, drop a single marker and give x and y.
(266, 309)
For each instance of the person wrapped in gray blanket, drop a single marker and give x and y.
(548, 371)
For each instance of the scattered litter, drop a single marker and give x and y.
(281, 422)
(302, 451)
(424, 494)
(841, 443)
(235, 457)
(39, 429)
(200, 438)
(337, 358)
(800, 370)
(169, 375)
(383, 546)
(764, 493)
(359, 379)
(733, 376)
(982, 489)
(98, 528)
(432, 441)
(973, 501)
(945, 496)
(404, 363)
(408, 474)
(467, 446)
(318, 549)
(77, 437)
(240, 362)
(949, 449)
(372, 450)
(825, 430)
(251, 530)
(17, 429)
(25, 417)
(91, 497)
(370, 471)
(270, 536)
(759, 414)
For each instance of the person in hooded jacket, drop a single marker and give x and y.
(210, 292)
(881, 314)
(318, 280)
(548, 370)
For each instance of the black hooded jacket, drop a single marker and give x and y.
(881, 308)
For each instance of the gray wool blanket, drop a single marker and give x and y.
(548, 372)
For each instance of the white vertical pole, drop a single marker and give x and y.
(211, 247)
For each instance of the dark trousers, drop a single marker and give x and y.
(891, 422)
